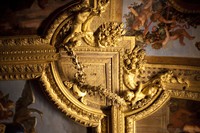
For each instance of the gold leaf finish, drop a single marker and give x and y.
(93, 73)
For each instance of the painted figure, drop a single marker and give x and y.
(23, 114)
(142, 17)
(6, 107)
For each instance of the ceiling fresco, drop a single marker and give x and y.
(25, 17)
(183, 116)
(164, 27)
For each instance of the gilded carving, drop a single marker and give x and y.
(80, 88)
(129, 125)
(116, 99)
(25, 71)
(138, 93)
(77, 91)
(19, 57)
(185, 94)
(146, 91)
(25, 54)
(146, 86)
(133, 65)
(22, 41)
(83, 15)
(157, 104)
(109, 34)
(81, 114)
(146, 112)
(81, 29)
(77, 30)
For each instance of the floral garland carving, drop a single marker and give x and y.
(85, 117)
(81, 88)
(64, 35)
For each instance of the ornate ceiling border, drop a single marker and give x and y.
(143, 87)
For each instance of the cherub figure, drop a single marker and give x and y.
(77, 28)
(144, 91)
(159, 37)
(142, 17)
(180, 34)
(157, 15)
(147, 89)
(82, 20)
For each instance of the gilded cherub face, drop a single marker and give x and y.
(82, 17)
(129, 95)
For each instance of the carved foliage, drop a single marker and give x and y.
(109, 34)
(141, 94)
(133, 66)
